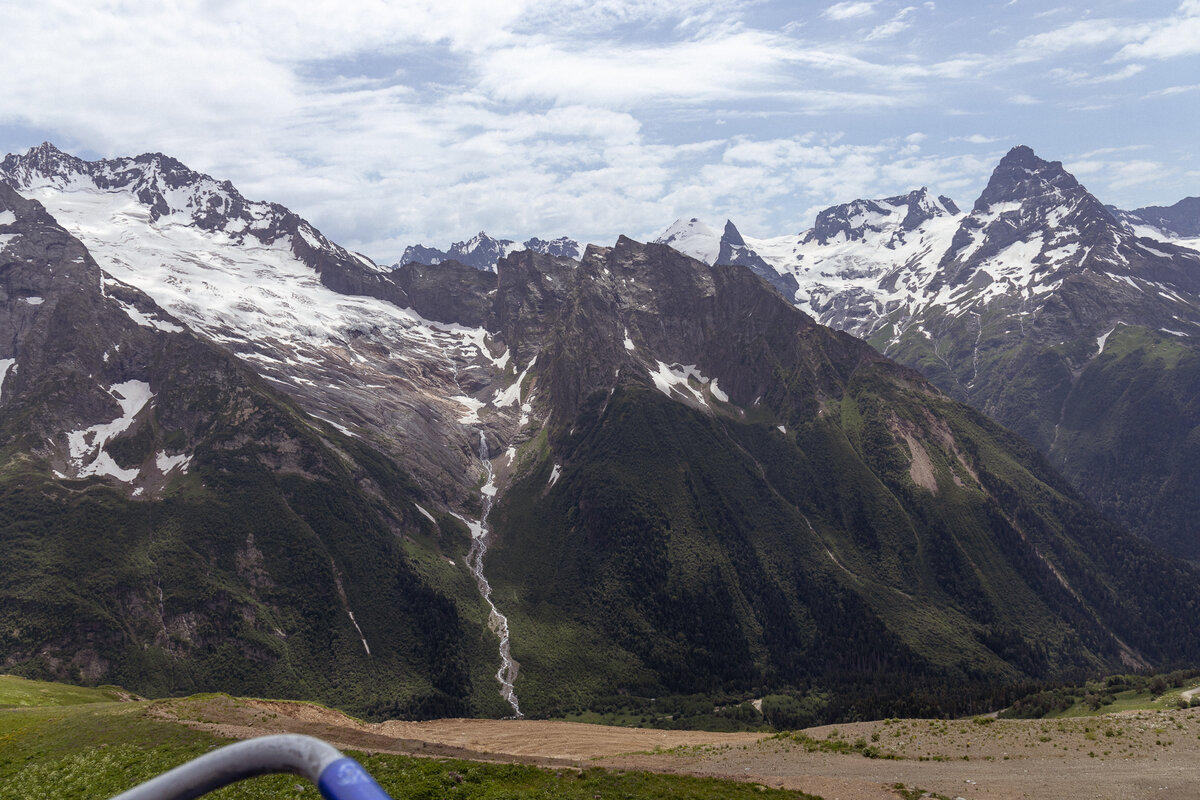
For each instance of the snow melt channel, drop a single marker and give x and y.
(497, 622)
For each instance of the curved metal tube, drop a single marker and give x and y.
(337, 776)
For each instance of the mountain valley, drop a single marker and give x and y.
(236, 455)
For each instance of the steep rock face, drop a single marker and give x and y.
(562, 247)
(724, 483)
(1040, 291)
(171, 524)
(1034, 225)
(448, 292)
(1010, 306)
(326, 326)
(734, 250)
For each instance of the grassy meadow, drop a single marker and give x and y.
(59, 741)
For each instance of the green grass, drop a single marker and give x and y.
(92, 750)
(20, 692)
(833, 744)
(1129, 700)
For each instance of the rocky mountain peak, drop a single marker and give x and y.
(922, 206)
(858, 219)
(1022, 176)
(731, 236)
(562, 247)
(44, 163)
(484, 252)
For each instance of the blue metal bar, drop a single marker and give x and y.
(336, 776)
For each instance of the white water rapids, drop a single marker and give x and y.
(507, 674)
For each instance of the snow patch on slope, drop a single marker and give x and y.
(1102, 339)
(888, 267)
(87, 446)
(472, 405)
(512, 395)
(692, 238)
(235, 290)
(670, 378)
(166, 463)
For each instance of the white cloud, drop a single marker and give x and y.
(721, 66)
(1119, 175)
(849, 10)
(1172, 39)
(896, 25)
(387, 122)
(826, 172)
(1106, 151)
(1081, 34)
(593, 16)
(1170, 90)
(698, 70)
(1161, 38)
(1079, 78)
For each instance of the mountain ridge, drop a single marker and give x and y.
(482, 251)
(686, 474)
(1006, 306)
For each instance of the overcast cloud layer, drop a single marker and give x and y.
(389, 123)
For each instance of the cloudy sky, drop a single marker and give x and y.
(387, 123)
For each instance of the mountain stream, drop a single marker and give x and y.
(497, 622)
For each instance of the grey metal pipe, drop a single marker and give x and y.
(337, 777)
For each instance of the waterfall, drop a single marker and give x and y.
(497, 622)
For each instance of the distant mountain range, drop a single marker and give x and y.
(235, 455)
(483, 252)
(1073, 323)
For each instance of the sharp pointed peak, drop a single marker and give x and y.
(1021, 152)
(1023, 157)
(731, 234)
(1021, 175)
(46, 147)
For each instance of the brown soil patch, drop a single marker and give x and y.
(1126, 755)
(573, 741)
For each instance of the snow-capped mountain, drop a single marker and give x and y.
(1178, 223)
(232, 448)
(326, 325)
(873, 264)
(1011, 306)
(1035, 234)
(484, 252)
(859, 261)
(168, 518)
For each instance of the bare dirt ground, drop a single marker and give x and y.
(1137, 754)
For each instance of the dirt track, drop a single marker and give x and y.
(1131, 755)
